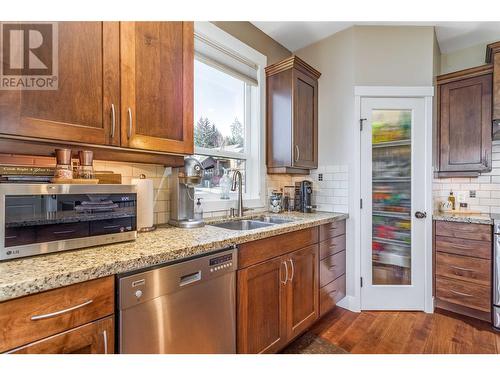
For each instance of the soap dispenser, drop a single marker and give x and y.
(198, 210)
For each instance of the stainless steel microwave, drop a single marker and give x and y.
(46, 218)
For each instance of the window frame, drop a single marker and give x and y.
(253, 154)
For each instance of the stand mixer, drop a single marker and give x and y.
(185, 179)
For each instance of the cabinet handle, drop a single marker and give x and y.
(129, 131)
(113, 120)
(461, 294)
(332, 267)
(60, 312)
(297, 153)
(286, 274)
(105, 340)
(461, 268)
(293, 269)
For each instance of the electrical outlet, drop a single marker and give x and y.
(320, 176)
(472, 194)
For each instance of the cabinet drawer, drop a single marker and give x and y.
(474, 270)
(261, 250)
(478, 232)
(459, 246)
(331, 246)
(92, 338)
(330, 230)
(28, 319)
(463, 293)
(330, 294)
(330, 268)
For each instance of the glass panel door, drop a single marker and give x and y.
(395, 154)
(391, 197)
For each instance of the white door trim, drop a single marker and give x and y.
(427, 92)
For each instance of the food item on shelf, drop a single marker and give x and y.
(390, 126)
(391, 162)
(394, 197)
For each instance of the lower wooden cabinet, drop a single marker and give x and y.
(76, 318)
(277, 300)
(92, 338)
(261, 307)
(462, 268)
(302, 290)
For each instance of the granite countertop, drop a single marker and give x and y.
(464, 218)
(32, 275)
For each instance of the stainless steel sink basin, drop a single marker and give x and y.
(243, 225)
(273, 219)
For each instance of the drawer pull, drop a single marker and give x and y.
(60, 312)
(332, 267)
(462, 269)
(461, 294)
(332, 292)
(65, 231)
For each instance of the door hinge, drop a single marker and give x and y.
(361, 282)
(361, 203)
(361, 124)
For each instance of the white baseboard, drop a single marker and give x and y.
(349, 303)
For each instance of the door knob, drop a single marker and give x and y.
(420, 215)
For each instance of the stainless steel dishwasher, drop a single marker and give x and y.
(186, 307)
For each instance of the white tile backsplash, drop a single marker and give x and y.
(487, 187)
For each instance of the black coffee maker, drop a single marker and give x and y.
(303, 196)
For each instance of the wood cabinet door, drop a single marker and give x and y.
(261, 307)
(157, 63)
(80, 110)
(305, 121)
(465, 125)
(93, 338)
(302, 290)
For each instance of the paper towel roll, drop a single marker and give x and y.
(145, 209)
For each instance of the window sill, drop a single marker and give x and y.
(221, 205)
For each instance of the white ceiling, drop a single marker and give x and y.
(451, 36)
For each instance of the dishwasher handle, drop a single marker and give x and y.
(190, 278)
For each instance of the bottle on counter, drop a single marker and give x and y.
(198, 210)
(451, 199)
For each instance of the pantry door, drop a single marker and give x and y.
(393, 217)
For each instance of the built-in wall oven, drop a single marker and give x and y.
(44, 218)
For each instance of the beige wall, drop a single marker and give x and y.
(255, 38)
(362, 55)
(393, 55)
(463, 58)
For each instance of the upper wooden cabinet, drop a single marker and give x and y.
(127, 84)
(157, 60)
(464, 122)
(493, 57)
(292, 117)
(88, 86)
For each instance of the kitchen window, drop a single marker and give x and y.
(228, 121)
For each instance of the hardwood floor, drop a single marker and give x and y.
(391, 332)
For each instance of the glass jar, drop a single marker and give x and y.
(63, 171)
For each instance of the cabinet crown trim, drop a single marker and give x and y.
(490, 50)
(465, 73)
(292, 62)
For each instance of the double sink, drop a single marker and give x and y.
(254, 223)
